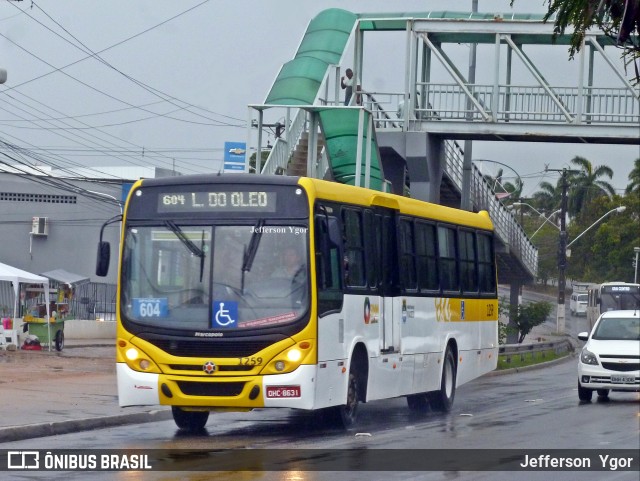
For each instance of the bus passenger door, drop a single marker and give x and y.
(387, 268)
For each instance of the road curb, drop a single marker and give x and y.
(29, 431)
(532, 367)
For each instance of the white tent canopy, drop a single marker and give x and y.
(18, 276)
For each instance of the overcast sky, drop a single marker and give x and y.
(173, 80)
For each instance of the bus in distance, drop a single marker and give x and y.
(611, 296)
(238, 292)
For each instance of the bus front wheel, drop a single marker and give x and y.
(191, 421)
(349, 411)
(442, 399)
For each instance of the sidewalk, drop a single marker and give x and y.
(48, 393)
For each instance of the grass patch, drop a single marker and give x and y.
(510, 361)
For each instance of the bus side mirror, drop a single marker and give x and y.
(104, 250)
(103, 258)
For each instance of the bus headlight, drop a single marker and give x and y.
(131, 354)
(294, 355)
(290, 359)
(135, 358)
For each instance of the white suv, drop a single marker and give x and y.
(610, 360)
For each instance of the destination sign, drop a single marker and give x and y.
(227, 201)
(630, 288)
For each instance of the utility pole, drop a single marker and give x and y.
(562, 250)
(562, 257)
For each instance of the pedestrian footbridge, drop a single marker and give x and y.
(376, 142)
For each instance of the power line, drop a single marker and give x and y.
(164, 96)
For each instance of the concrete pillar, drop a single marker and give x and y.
(424, 156)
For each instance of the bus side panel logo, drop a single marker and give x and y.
(225, 314)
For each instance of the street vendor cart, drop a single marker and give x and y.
(50, 332)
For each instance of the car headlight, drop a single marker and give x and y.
(587, 357)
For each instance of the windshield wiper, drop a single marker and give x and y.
(194, 249)
(252, 248)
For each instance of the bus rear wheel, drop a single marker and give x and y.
(442, 399)
(191, 421)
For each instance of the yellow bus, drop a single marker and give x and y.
(241, 291)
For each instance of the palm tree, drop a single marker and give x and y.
(586, 185)
(548, 198)
(514, 190)
(634, 177)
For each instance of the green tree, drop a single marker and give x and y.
(587, 184)
(619, 19)
(526, 316)
(605, 253)
(252, 160)
(634, 177)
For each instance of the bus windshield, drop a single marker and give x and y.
(611, 300)
(213, 277)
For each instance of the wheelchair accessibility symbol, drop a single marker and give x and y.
(225, 314)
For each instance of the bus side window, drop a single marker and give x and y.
(329, 284)
(448, 259)
(353, 248)
(468, 261)
(426, 255)
(408, 278)
(486, 264)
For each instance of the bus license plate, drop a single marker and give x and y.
(283, 391)
(622, 379)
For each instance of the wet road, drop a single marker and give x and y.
(536, 409)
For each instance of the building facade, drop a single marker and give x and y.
(51, 220)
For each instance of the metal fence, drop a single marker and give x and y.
(93, 300)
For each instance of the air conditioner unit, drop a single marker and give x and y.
(40, 226)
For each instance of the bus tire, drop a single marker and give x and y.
(442, 399)
(59, 340)
(192, 421)
(418, 403)
(348, 413)
(584, 394)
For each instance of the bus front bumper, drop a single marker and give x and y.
(291, 390)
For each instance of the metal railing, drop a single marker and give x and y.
(531, 104)
(285, 145)
(521, 351)
(482, 196)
